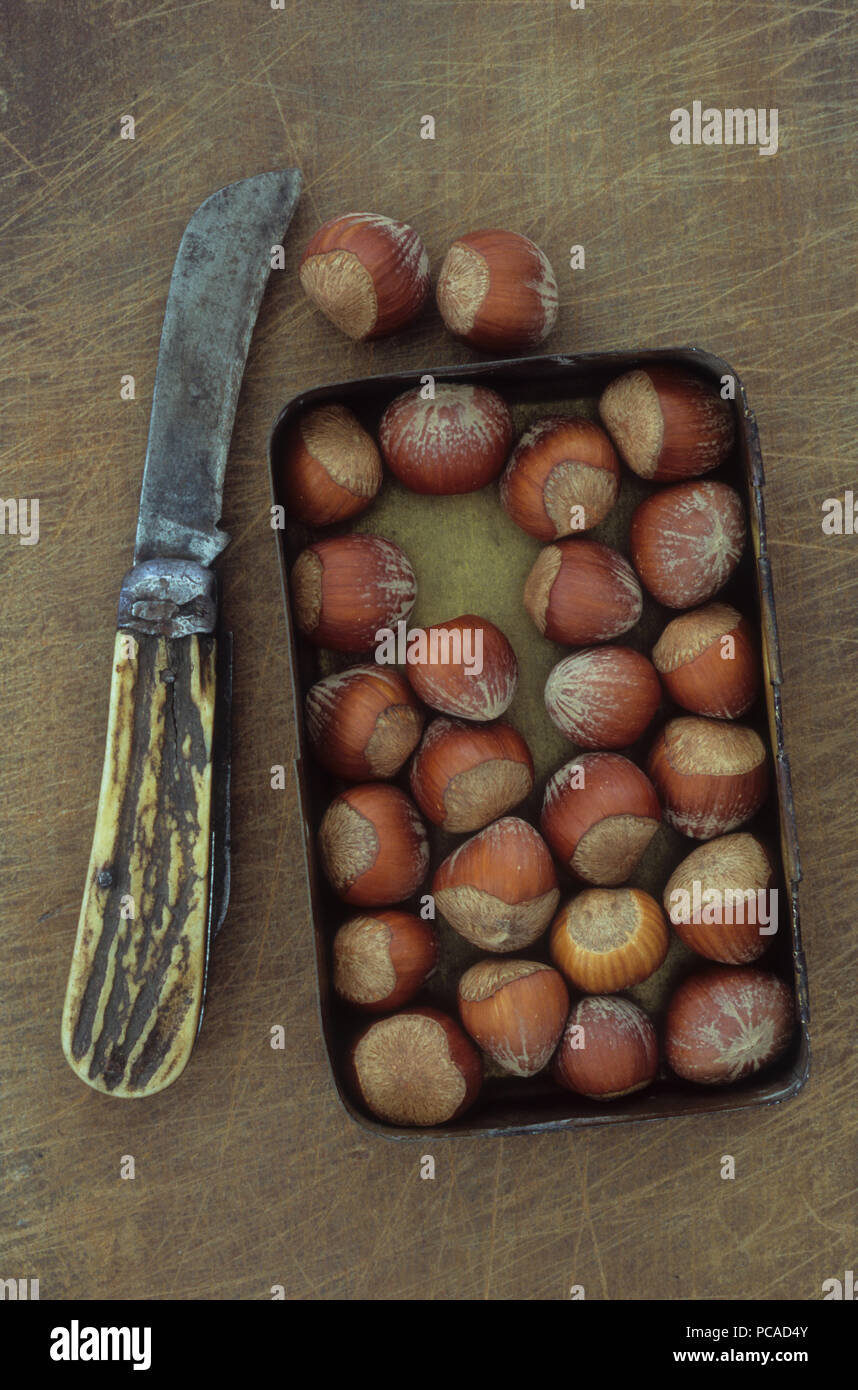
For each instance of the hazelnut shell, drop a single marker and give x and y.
(707, 660)
(498, 889)
(726, 1022)
(496, 291)
(373, 845)
(599, 813)
(580, 591)
(603, 697)
(417, 1067)
(330, 468)
(363, 723)
(711, 775)
(454, 686)
(608, 939)
(562, 476)
(463, 775)
(608, 1049)
(382, 959)
(712, 899)
(666, 423)
(368, 274)
(515, 1010)
(687, 540)
(345, 588)
(454, 442)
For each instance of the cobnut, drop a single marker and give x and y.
(726, 1022)
(666, 423)
(498, 889)
(373, 845)
(711, 776)
(608, 1049)
(463, 776)
(515, 1010)
(382, 959)
(455, 442)
(330, 469)
(363, 723)
(497, 291)
(599, 814)
(464, 667)
(603, 697)
(687, 540)
(708, 662)
(721, 901)
(607, 939)
(418, 1067)
(367, 274)
(562, 476)
(581, 591)
(346, 588)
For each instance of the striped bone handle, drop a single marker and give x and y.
(135, 988)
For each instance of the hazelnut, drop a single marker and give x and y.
(603, 697)
(726, 1022)
(498, 889)
(463, 776)
(346, 588)
(708, 662)
(382, 959)
(456, 442)
(599, 814)
(711, 776)
(363, 723)
(464, 667)
(367, 274)
(608, 939)
(580, 591)
(373, 845)
(608, 1049)
(416, 1068)
(713, 899)
(562, 476)
(666, 423)
(497, 291)
(687, 540)
(515, 1010)
(330, 469)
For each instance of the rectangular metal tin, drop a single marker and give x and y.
(531, 386)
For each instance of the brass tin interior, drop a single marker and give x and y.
(470, 557)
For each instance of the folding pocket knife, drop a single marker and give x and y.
(158, 876)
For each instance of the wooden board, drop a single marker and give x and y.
(554, 122)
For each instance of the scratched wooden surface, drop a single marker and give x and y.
(554, 122)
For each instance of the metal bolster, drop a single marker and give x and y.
(168, 598)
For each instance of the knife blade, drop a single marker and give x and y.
(155, 886)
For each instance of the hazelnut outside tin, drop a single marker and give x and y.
(470, 557)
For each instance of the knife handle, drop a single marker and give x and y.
(136, 983)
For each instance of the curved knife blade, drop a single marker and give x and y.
(218, 279)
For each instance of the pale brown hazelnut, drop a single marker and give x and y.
(417, 1067)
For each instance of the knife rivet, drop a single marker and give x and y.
(105, 879)
(155, 610)
(168, 677)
